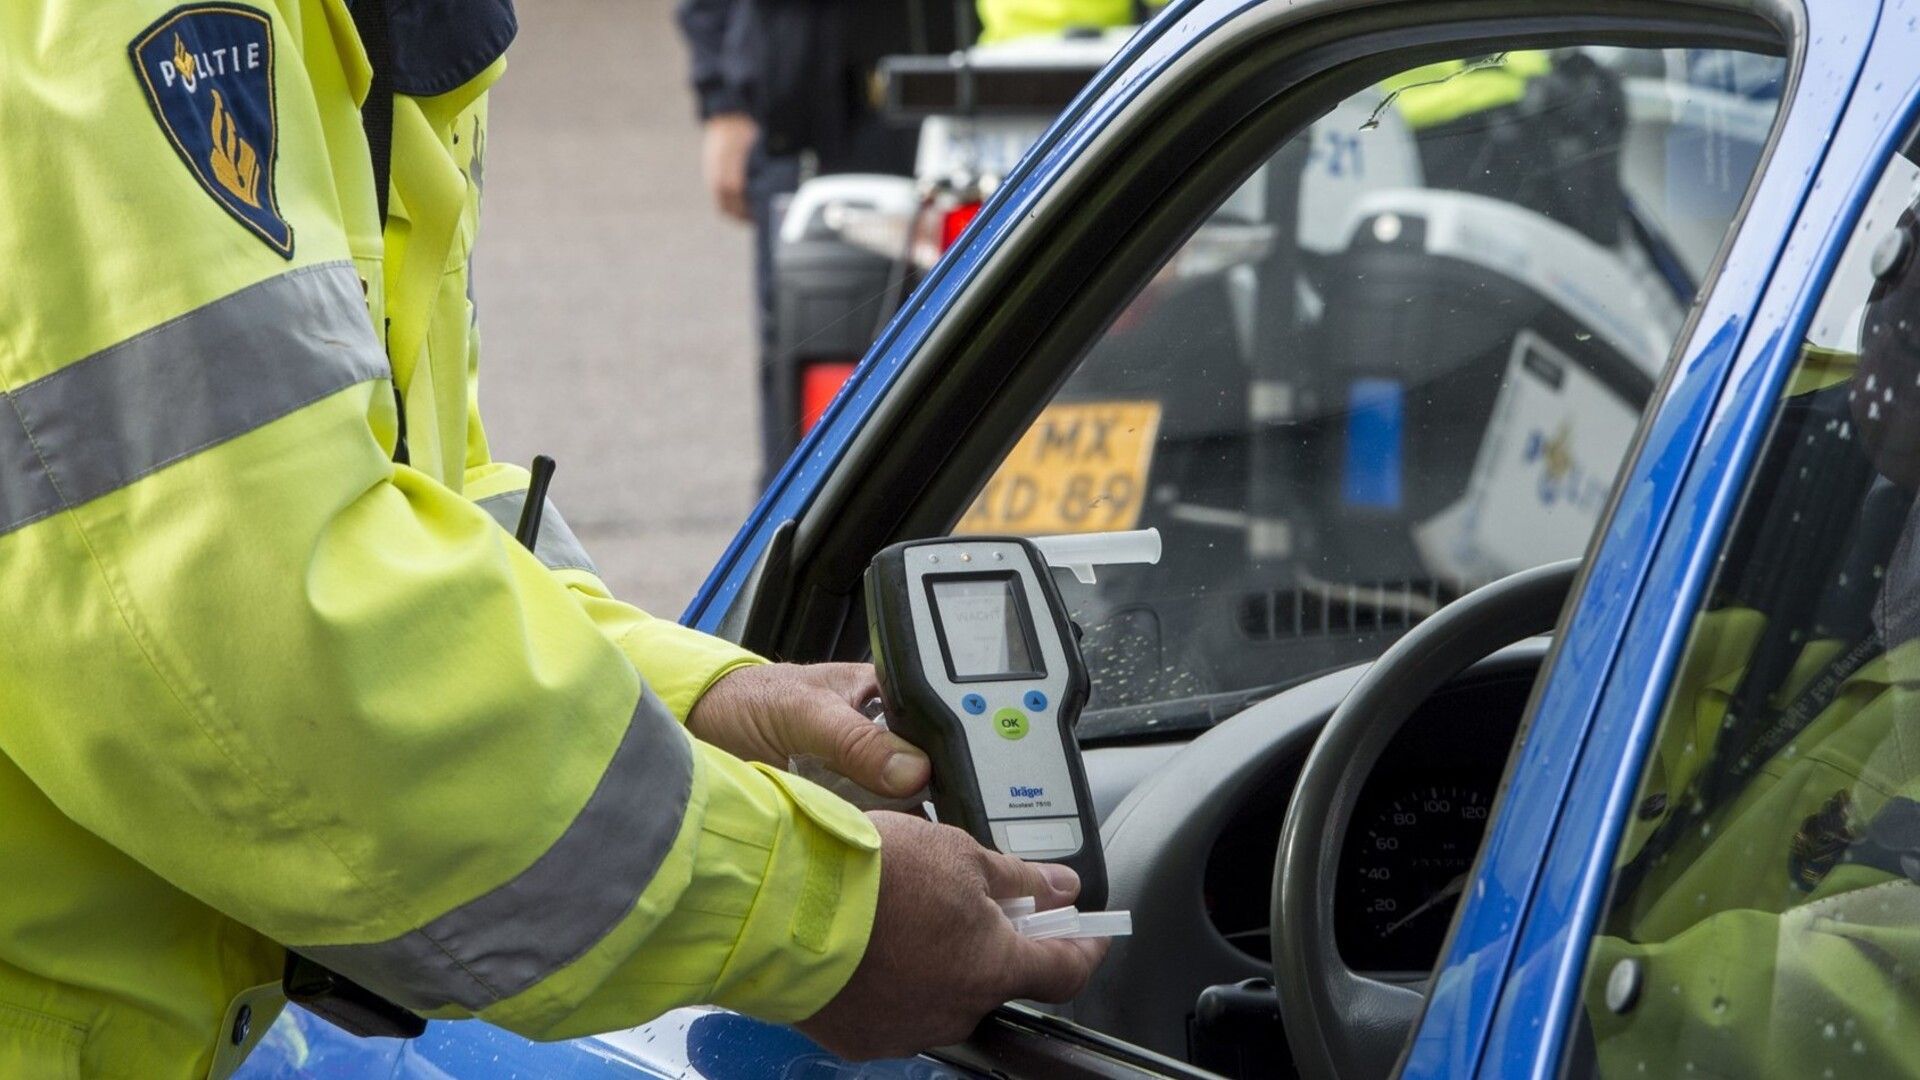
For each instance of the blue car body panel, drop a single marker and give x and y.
(1660, 518)
(687, 1044)
(1507, 990)
(1542, 994)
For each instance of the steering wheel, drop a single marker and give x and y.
(1343, 1025)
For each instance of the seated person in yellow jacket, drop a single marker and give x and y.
(275, 677)
(1766, 914)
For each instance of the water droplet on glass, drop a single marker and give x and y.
(1829, 1030)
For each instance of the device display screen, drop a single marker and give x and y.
(985, 632)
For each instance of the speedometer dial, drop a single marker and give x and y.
(1406, 864)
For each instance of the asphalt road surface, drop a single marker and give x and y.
(615, 306)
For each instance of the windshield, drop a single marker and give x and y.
(1405, 357)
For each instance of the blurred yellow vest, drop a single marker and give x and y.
(1005, 20)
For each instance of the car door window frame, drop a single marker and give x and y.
(947, 380)
(1519, 946)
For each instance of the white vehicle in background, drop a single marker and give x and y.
(852, 246)
(1577, 302)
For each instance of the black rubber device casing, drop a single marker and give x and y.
(916, 712)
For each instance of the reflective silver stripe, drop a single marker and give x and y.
(509, 939)
(26, 493)
(556, 546)
(184, 386)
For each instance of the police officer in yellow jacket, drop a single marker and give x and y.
(1766, 911)
(262, 687)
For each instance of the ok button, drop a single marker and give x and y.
(1010, 723)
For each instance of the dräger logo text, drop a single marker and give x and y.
(1019, 792)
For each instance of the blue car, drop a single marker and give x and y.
(1521, 389)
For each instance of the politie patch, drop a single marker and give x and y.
(208, 73)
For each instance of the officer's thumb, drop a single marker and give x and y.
(871, 756)
(1050, 884)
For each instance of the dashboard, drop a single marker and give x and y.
(1190, 849)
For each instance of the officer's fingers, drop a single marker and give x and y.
(1054, 970)
(858, 683)
(1050, 884)
(861, 750)
(727, 181)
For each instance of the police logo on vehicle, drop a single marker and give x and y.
(208, 73)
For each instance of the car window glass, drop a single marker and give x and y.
(1404, 358)
(1764, 917)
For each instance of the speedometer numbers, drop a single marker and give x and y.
(1408, 864)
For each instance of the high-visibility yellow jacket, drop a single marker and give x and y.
(1006, 20)
(1753, 963)
(1447, 90)
(260, 687)
(1748, 971)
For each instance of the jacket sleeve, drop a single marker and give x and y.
(718, 35)
(323, 694)
(678, 662)
(1820, 989)
(336, 701)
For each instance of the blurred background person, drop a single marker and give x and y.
(652, 311)
(785, 89)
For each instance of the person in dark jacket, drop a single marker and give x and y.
(784, 89)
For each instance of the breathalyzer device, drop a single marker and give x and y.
(980, 667)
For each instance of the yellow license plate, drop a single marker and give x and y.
(1081, 467)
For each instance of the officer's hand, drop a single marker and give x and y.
(726, 143)
(773, 712)
(942, 955)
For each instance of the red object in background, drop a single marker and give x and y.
(955, 221)
(818, 383)
(821, 380)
